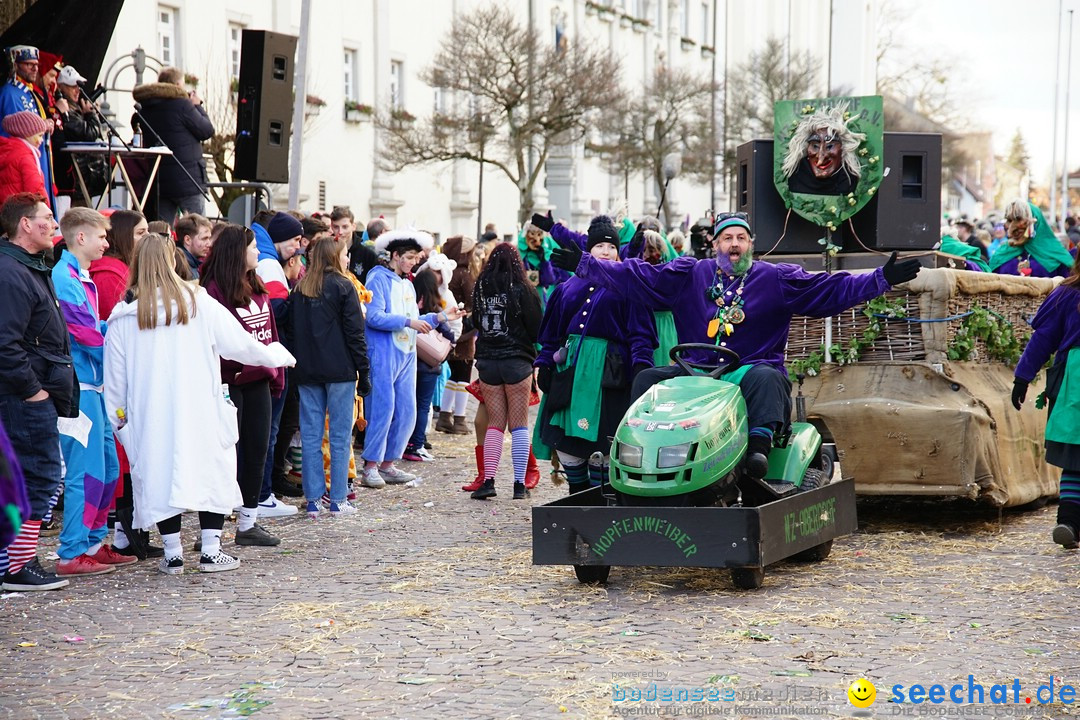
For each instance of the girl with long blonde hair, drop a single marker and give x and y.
(164, 397)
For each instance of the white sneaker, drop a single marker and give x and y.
(394, 476)
(342, 508)
(372, 479)
(271, 507)
(425, 454)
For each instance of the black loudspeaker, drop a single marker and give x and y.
(904, 214)
(264, 106)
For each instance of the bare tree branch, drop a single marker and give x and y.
(485, 59)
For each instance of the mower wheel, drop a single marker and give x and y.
(814, 554)
(826, 461)
(592, 573)
(747, 578)
(813, 479)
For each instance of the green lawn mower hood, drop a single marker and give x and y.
(682, 435)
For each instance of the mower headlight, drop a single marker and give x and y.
(630, 455)
(673, 455)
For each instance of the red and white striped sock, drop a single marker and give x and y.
(24, 547)
(493, 447)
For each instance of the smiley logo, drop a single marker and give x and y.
(862, 693)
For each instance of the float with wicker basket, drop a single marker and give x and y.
(917, 398)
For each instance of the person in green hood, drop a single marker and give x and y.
(1032, 249)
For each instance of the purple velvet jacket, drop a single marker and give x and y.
(580, 307)
(773, 294)
(1057, 328)
(1012, 267)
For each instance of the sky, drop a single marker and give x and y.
(1005, 54)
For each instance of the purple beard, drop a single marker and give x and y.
(724, 263)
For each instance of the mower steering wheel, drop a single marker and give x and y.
(714, 371)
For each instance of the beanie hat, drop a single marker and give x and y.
(284, 227)
(601, 230)
(24, 124)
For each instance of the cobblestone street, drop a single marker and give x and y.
(425, 604)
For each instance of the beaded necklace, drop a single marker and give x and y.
(729, 304)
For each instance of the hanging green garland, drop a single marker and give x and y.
(996, 333)
(877, 310)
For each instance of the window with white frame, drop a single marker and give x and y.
(438, 105)
(236, 36)
(349, 75)
(706, 26)
(659, 6)
(397, 89)
(684, 18)
(167, 35)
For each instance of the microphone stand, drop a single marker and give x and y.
(112, 134)
(146, 126)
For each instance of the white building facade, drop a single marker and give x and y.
(370, 52)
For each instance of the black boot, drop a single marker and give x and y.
(757, 456)
(1066, 531)
(485, 491)
(577, 487)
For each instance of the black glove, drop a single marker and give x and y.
(543, 378)
(1019, 393)
(363, 385)
(566, 256)
(899, 272)
(637, 243)
(544, 222)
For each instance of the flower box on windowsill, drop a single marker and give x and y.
(355, 112)
(707, 51)
(640, 25)
(626, 21)
(606, 14)
(687, 43)
(313, 105)
(591, 8)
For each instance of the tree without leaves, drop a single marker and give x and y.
(670, 115)
(518, 96)
(755, 86)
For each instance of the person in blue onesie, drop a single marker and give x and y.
(393, 320)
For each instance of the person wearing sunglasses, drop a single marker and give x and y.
(736, 303)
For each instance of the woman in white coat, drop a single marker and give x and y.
(164, 397)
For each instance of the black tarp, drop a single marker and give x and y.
(79, 30)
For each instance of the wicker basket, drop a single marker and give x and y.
(936, 293)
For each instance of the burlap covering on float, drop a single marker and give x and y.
(907, 421)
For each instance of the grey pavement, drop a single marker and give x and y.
(425, 604)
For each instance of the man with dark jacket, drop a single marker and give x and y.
(175, 118)
(37, 381)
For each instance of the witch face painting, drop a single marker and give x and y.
(827, 156)
(821, 157)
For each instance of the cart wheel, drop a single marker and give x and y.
(592, 573)
(747, 578)
(814, 554)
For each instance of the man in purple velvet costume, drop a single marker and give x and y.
(738, 304)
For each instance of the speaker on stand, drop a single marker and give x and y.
(264, 106)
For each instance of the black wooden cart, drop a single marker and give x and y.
(586, 531)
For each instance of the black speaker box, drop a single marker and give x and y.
(264, 106)
(904, 214)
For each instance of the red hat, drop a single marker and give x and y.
(24, 124)
(47, 61)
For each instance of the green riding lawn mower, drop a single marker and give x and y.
(678, 470)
